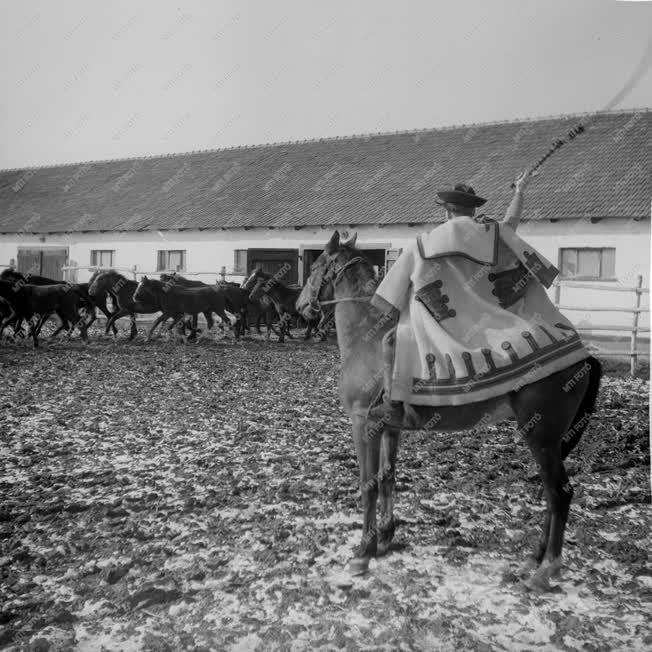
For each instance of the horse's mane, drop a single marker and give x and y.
(111, 273)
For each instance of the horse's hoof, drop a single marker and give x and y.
(540, 580)
(359, 565)
(527, 568)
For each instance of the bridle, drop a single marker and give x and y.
(334, 275)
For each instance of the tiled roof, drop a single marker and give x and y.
(372, 179)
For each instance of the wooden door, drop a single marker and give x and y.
(43, 262)
(52, 262)
(29, 261)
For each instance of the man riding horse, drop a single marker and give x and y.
(474, 320)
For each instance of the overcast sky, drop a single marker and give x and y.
(87, 80)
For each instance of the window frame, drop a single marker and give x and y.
(581, 277)
(242, 270)
(165, 253)
(97, 253)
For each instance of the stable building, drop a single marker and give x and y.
(221, 213)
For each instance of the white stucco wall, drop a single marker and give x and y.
(208, 251)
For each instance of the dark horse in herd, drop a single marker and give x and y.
(34, 299)
(343, 277)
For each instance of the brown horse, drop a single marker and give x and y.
(236, 300)
(283, 298)
(265, 307)
(551, 413)
(36, 303)
(89, 304)
(121, 290)
(174, 301)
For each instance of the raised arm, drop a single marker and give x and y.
(515, 209)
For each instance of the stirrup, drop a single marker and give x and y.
(391, 414)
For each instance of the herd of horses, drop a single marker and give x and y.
(263, 298)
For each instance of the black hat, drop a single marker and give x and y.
(461, 195)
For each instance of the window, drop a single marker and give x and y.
(240, 261)
(171, 260)
(102, 257)
(588, 264)
(391, 256)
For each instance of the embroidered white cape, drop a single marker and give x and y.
(476, 321)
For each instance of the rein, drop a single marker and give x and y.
(338, 277)
(333, 301)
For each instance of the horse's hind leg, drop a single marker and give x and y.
(134, 329)
(367, 444)
(110, 324)
(64, 325)
(107, 314)
(559, 493)
(544, 412)
(160, 319)
(386, 482)
(81, 325)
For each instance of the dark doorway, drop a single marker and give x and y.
(377, 258)
(282, 263)
(43, 262)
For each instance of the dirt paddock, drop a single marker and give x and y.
(165, 496)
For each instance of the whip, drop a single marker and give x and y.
(638, 72)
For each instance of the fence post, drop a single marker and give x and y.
(633, 350)
(133, 271)
(223, 272)
(557, 293)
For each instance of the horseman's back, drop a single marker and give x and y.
(476, 321)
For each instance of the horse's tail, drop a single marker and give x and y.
(585, 409)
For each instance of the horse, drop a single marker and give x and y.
(551, 413)
(90, 303)
(13, 276)
(234, 301)
(20, 279)
(176, 301)
(283, 298)
(264, 306)
(122, 291)
(27, 301)
(98, 301)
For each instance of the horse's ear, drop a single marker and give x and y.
(144, 278)
(333, 244)
(352, 240)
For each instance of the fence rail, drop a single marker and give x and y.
(135, 272)
(634, 329)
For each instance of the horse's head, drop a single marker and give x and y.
(258, 291)
(144, 290)
(11, 275)
(253, 278)
(325, 274)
